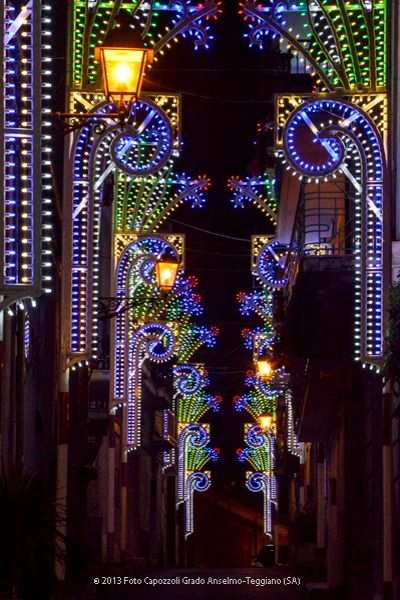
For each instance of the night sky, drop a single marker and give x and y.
(227, 93)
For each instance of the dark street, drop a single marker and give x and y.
(200, 300)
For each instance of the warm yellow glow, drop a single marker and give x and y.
(264, 369)
(123, 71)
(166, 272)
(265, 422)
(123, 75)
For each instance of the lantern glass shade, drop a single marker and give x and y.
(166, 272)
(264, 369)
(123, 71)
(265, 422)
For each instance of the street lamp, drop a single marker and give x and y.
(166, 268)
(264, 368)
(266, 420)
(123, 60)
(123, 70)
(166, 272)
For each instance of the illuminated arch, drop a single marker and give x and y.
(316, 150)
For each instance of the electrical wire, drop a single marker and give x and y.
(214, 98)
(228, 237)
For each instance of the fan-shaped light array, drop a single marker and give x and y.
(159, 23)
(192, 401)
(344, 44)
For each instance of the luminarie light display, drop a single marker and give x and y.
(157, 330)
(260, 453)
(344, 45)
(26, 203)
(258, 191)
(193, 453)
(135, 161)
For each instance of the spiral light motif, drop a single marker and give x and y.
(260, 482)
(98, 149)
(139, 256)
(256, 437)
(156, 342)
(188, 379)
(257, 481)
(319, 138)
(193, 435)
(197, 481)
(146, 141)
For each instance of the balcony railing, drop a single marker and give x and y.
(323, 228)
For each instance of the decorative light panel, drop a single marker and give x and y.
(160, 24)
(160, 195)
(259, 301)
(155, 341)
(268, 262)
(345, 43)
(192, 337)
(151, 315)
(260, 455)
(193, 455)
(321, 137)
(258, 191)
(259, 339)
(190, 381)
(25, 208)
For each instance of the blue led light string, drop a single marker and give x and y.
(25, 214)
(258, 191)
(345, 126)
(133, 254)
(155, 341)
(190, 381)
(159, 24)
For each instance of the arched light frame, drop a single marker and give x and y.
(155, 341)
(349, 127)
(91, 164)
(130, 252)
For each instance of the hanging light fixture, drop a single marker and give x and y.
(266, 421)
(264, 368)
(166, 272)
(123, 61)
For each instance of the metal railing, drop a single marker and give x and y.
(324, 227)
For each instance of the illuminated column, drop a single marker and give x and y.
(260, 453)
(25, 209)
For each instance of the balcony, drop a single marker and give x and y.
(318, 297)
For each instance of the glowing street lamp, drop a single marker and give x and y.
(123, 70)
(265, 420)
(166, 272)
(264, 368)
(123, 60)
